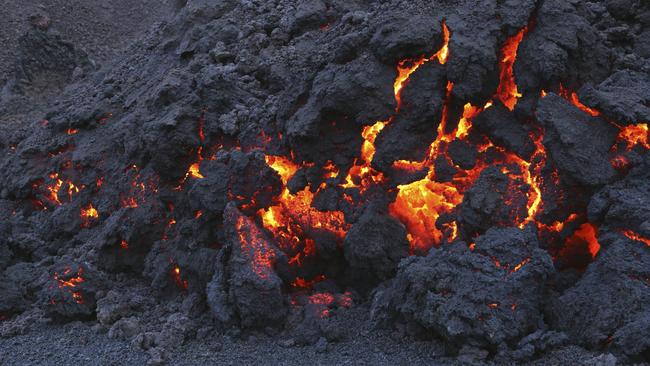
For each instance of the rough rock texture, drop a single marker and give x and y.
(482, 297)
(249, 289)
(624, 204)
(373, 247)
(408, 136)
(490, 202)
(217, 178)
(608, 306)
(577, 143)
(505, 130)
(624, 96)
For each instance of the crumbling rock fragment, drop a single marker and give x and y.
(124, 329)
(111, 308)
(482, 297)
(561, 46)
(234, 175)
(400, 36)
(409, 134)
(373, 247)
(505, 130)
(361, 90)
(609, 303)
(578, 143)
(46, 62)
(462, 154)
(495, 199)
(247, 290)
(623, 97)
(69, 290)
(309, 14)
(624, 204)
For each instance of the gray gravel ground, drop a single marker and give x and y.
(79, 344)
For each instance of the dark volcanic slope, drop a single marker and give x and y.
(102, 28)
(473, 171)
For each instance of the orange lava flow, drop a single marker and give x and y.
(557, 226)
(531, 175)
(292, 218)
(419, 204)
(87, 214)
(361, 175)
(253, 246)
(331, 171)
(586, 233)
(634, 236)
(634, 135)
(507, 90)
(443, 53)
(54, 188)
(572, 98)
(71, 283)
(180, 282)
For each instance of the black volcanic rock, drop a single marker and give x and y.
(47, 61)
(561, 46)
(624, 204)
(400, 36)
(247, 290)
(341, 91)
(70, 288)
(484, 297)
(173, 144)
(373, 247)
(462, 154)
(505, 130)
(494, 200)
(623, 97)
(610, 302)
(578, 143)
(409, 134)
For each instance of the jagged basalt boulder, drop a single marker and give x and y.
(578, 143)
(373, 247)
(247, 290)
(69, 290)
(341, 91)
(400, 36)
(505, 130)
(495, 199)
(409, 134)
(608, 305)
(622, 97)
(625, 204)
(482, 297)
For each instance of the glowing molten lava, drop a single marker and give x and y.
(572, 97)
(180, 282)
(88, 214)
(633, 135)
(70, 283)
(583, 238)
(634, 236)
(361, 175)
(419, 205)
(255, 248)
(292, 219)
(507, 91)
(443, 53)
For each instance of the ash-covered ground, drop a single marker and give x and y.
(329, 181)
